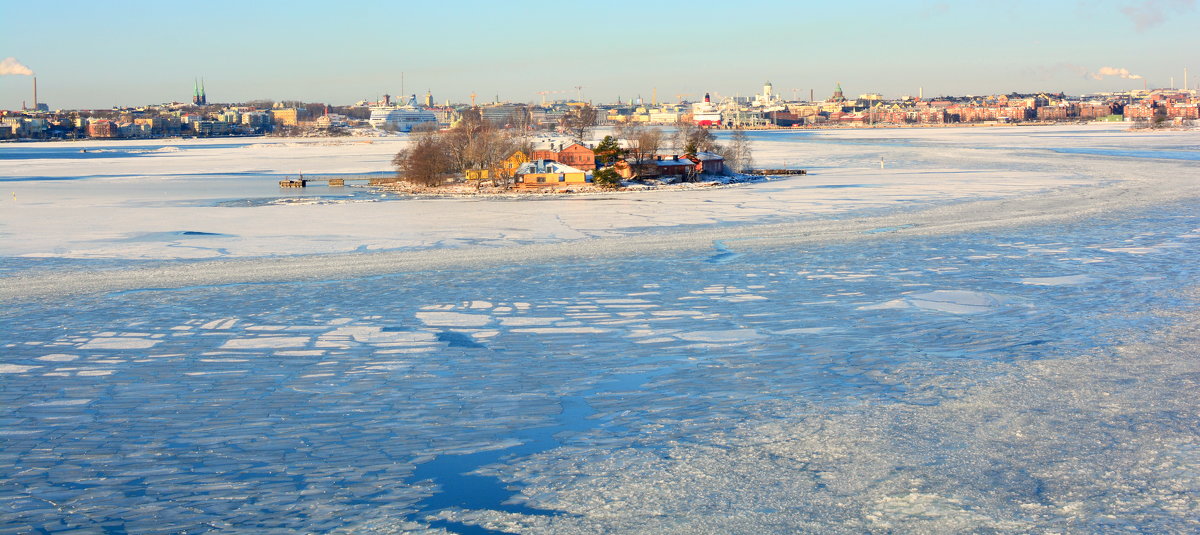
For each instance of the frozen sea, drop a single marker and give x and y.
(994, 333)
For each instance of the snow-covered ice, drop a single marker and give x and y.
(182, 203)
(993, 360)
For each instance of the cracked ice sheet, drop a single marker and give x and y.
(1028, 452)
(358, 401)
(98, 217)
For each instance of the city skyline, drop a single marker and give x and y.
(150, 52)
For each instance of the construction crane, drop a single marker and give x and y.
(681, 95)
(544, 93)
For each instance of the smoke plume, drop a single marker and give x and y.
(1113, 71)
(10, 65)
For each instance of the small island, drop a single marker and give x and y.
(477, 156)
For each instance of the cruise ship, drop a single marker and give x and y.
(706, 113)
(401, 118)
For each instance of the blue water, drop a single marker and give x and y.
(318, 405)
(1177, 154)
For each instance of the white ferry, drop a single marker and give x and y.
(401, 118)
(706, 113)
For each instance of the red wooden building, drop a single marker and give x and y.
(575, 155)
(578, 156)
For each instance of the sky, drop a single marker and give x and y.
(92, 54)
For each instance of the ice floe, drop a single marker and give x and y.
(263, 342)
(949, 301)
(119, 343)
(16, 368)
(453, 319)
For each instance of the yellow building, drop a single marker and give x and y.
(548, 174)
(510, 165)
(285, 116)
(505, 169)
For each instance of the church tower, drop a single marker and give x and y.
(198, 96)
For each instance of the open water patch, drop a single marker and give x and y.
(463, 487)
(1177, 154)
(724, 255)
(458, 339)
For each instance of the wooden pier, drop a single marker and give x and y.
(337, 181)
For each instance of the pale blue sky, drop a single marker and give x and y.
(96, 54)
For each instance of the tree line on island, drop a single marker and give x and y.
(434, 157)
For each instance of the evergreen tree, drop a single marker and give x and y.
(608, 151)
(607, 178)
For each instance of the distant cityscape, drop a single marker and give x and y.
(768, 108)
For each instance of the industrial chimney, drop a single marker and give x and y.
(35, 101)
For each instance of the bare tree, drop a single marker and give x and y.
(521, 119)
(679, 136)
(643, 144)
(697, 139)
(739, 155)
(472, 144)
(314, 109)
(425, 161)
(423, 128)
(478, 146)
(522, 128)
(578, 123)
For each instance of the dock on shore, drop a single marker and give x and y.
(336, 181)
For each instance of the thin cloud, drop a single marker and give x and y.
(1150, 13)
